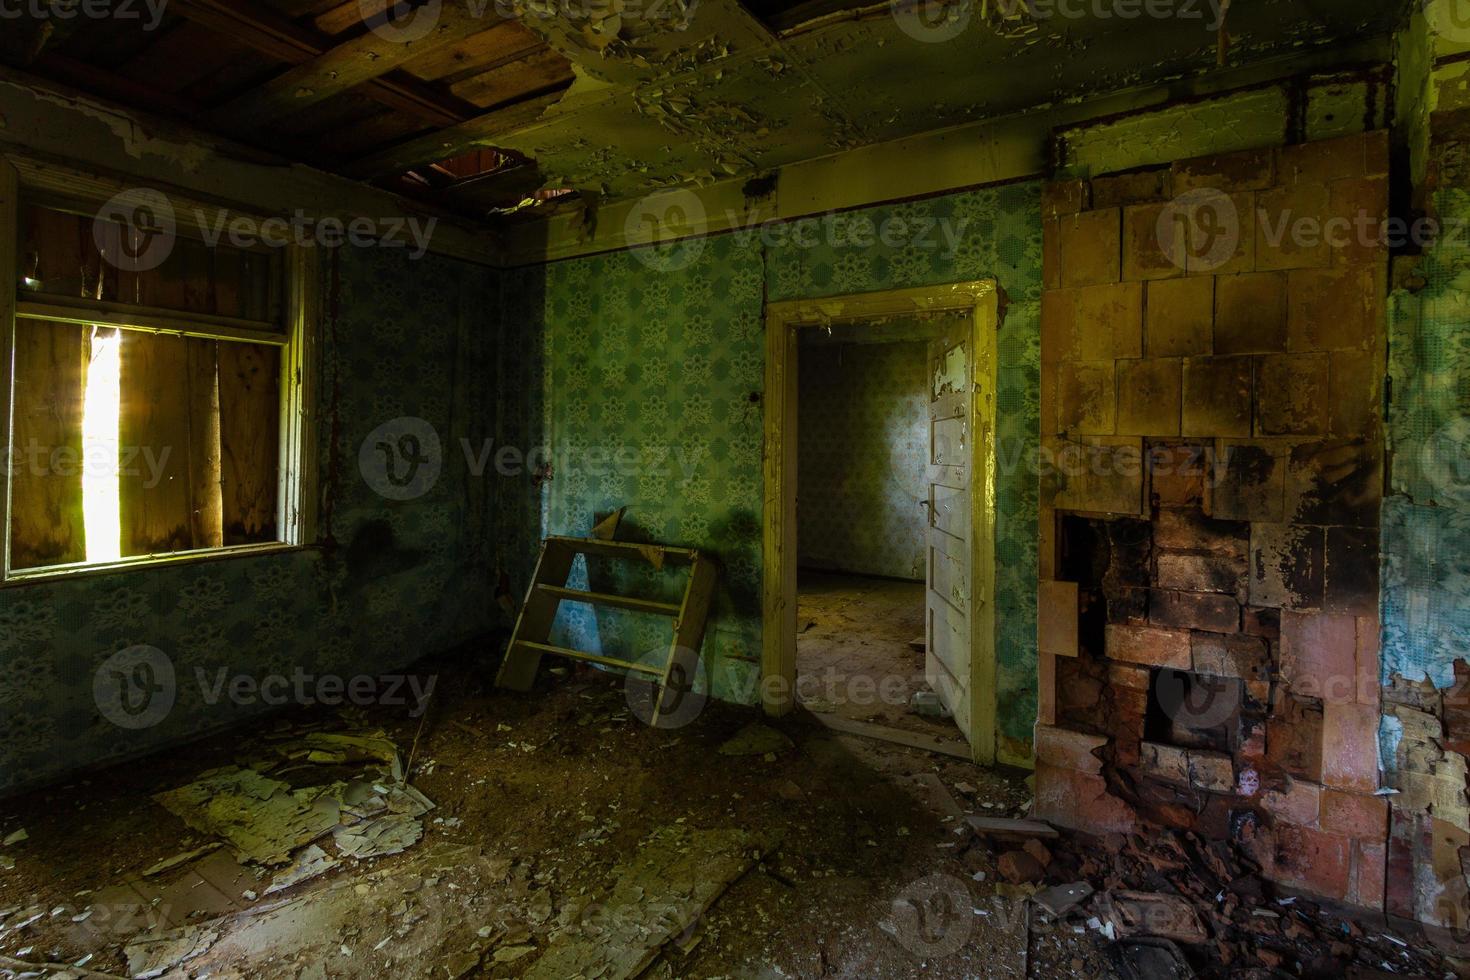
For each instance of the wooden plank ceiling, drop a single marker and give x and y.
(310, 81)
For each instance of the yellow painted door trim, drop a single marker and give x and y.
(778, 601)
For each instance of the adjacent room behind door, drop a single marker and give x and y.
(862, 410)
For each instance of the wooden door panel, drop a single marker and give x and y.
(950, 534)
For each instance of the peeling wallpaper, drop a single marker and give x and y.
(651, 357)
(1426, 519)
(861, 462)
(405, 579)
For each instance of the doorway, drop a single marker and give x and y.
(954, 560)
(861, 523)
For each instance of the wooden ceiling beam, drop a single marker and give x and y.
(343, 67)
(451, 142)
(283, 40)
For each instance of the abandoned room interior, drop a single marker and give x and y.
(735, 488)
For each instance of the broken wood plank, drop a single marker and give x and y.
(1009, 829)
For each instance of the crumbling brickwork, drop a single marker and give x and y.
(1212, 349)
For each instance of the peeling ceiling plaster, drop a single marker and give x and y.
(706, 91)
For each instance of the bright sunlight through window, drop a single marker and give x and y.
(101, 509)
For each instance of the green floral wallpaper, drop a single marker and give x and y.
(863, 415)
(398, 578)
(1426, 516)
(622, 357)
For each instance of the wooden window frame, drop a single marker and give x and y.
(27, 181)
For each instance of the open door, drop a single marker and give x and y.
(959, 662)
(949, 571)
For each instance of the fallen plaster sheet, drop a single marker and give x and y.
(431, 916)
(659, 896)
(262, 819)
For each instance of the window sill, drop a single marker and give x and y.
(54, 572)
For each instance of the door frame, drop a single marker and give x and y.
(980, 300)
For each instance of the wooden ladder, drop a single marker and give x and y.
(532, 635)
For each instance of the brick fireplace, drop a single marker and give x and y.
(1211, 406)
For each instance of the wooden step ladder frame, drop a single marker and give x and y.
(530, 640)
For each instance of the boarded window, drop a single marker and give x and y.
(129, 441)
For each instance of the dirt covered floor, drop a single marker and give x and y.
(545, 835)
(854, 653)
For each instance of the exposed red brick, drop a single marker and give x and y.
(1369, 688)
(1146, 645)
(1370, 874)
(1237, 655)
(1294, 739)
(1319, 655)
(1298, 803)
(1068, 749)
(1350, 747)
(1313, 861)
(1080, 801)
(1193, 610)
(1356, 815)
(1128, 676)
(1212, 572)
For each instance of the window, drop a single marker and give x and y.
(157, 391)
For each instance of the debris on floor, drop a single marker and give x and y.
(928, 705)
(659, 895)
(756, 739)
